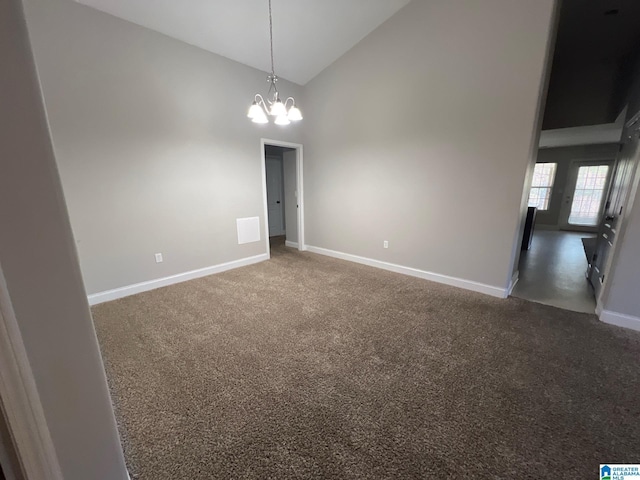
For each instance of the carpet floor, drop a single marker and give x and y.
(308, 367)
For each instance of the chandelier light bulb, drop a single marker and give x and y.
(255, 111)
(294, 114)
(278, 109)
(260, 119)
(282, 120)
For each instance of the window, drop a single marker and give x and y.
(543, 177)
(587, 198)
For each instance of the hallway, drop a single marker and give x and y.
(553, 271)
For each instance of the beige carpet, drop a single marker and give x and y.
(306, 367)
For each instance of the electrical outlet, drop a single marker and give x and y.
(385, 244)
(158, 258)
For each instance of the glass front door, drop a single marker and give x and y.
(588, 195)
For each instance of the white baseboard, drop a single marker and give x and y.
(121, 292)
(414, 272)
(287, 243)
(620, 319)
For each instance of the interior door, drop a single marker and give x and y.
(614, 207)
(585, 197)
(275, 196)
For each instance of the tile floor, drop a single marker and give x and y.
(553, 271)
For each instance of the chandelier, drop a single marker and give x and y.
(283, 112)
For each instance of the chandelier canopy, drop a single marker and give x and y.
(284, 112)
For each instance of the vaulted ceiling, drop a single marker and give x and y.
(596, 49)
(309, 35)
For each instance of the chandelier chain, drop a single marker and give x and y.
(271, 38)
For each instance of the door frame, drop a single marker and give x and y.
(299, 188)
(20, 404)
(629, 196)
(569, 190)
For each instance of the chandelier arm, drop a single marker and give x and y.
(293, 101)
(260, 101)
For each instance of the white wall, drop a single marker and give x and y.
(578, 136)
(153, 144)
(40, 266)
(422, 135)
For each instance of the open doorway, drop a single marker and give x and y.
(572, 187)
(565, 263)
(283, 195)
(566, 201)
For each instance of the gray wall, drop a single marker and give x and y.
(624, 276)
(153, 144)
(422, 133)
(564, 156)
(621, 290)
(40, 265)
(290, 200)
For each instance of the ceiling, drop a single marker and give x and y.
(308, 35)
(597, 48)
(602, 29)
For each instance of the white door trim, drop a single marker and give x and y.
(299, 187)
(20, 400)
